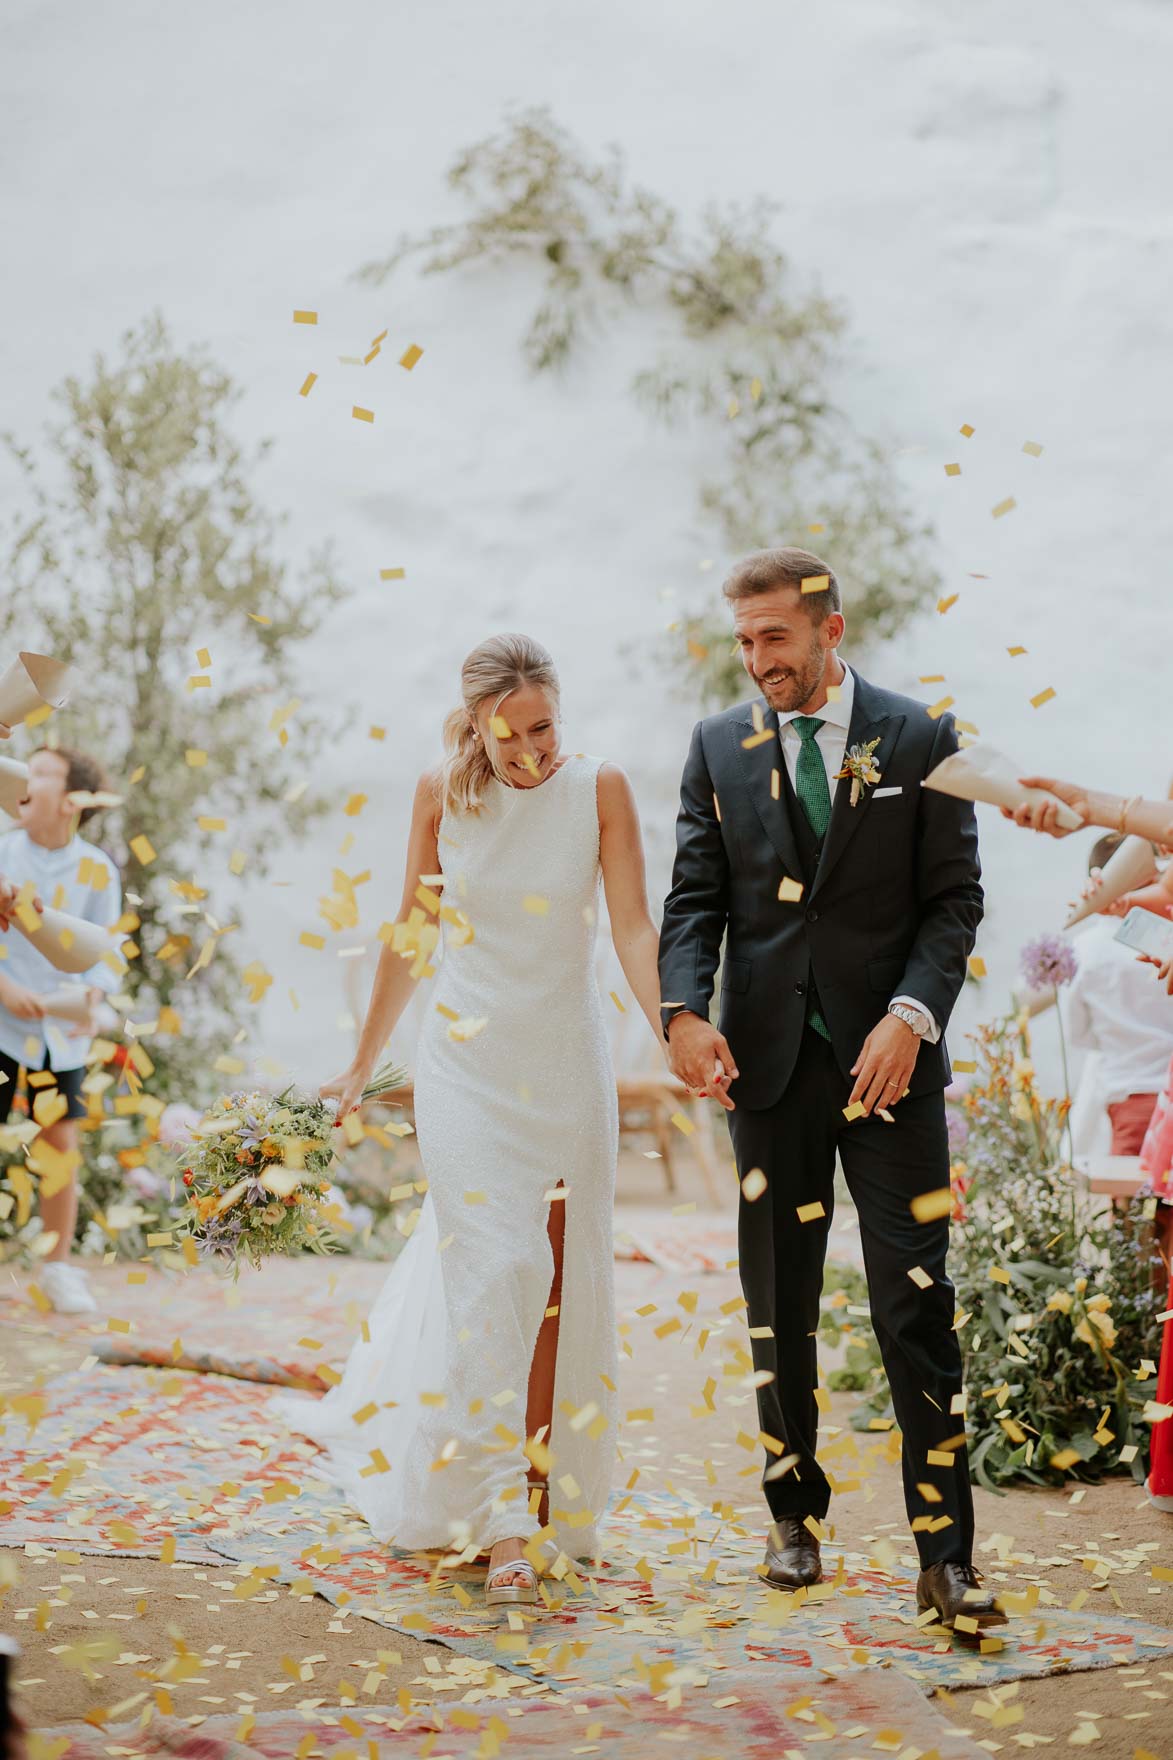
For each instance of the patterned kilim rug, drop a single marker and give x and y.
(138, 1461)
(857, 1719)
(296, 1328)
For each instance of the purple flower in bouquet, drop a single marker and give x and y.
(958, 1129)
(1048, 962)
(252, 1131)
(145, 1182)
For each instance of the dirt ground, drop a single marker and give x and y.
(1102, 1542)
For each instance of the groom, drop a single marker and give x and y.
(847, 928)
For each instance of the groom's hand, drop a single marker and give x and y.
(700, 1057)
(884, 1067)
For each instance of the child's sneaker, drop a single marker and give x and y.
(67, 1288)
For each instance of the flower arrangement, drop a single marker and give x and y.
(256, 1170)
(859, 763)
(1057, 1297)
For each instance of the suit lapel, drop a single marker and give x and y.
(870, 719)
(757, 763)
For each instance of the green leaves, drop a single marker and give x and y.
(749, 357)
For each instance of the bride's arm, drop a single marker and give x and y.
(394, 984)
(621, 855)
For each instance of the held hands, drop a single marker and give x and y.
(699, 1056)
(1042, 815)
(346, 1089)
(884, 1067)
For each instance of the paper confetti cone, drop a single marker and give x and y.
(69, 943)
(1132, 864)
(70, 1003)
(14, 785)
(982, 773)
(33, 681)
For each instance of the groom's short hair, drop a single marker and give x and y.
(787, 567)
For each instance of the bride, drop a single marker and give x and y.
(479, 1411)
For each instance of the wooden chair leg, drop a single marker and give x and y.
(663, 1134)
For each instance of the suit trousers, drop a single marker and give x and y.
(886, 1165)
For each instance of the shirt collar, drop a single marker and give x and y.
(837, 713)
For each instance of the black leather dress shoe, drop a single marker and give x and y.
(955, 1590)
(792, 1555)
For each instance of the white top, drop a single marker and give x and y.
(54, 873)
(1115, 1006)
(831, 740)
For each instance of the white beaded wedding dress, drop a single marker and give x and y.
(501, 1117)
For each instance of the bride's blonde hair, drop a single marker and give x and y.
(491, 672)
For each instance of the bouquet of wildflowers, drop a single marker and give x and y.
(257, 1171)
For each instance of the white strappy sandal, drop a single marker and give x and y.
(524, 1594)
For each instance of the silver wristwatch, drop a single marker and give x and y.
(912, 1017)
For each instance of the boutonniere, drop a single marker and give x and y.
(860, 765)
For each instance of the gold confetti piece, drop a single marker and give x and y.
(118, 1325)
(964, 1066)
(966, 727)
(920, 1277)
(535, 904)
(855, 1110)
(683, 1124)
(305, 317)
(615, 999)
(410, 357)
(952, 470)
(977, 965)
(1004, 507)
(834, 693)
(967, 430)
(933, 678)
(753, 1185)
(1033, 448)
(936, 710)
(258, 618)
(810, 1212)
(307, 384)
(790, 891)
(362, 415)
(815, 583)
(930, 1206)
(206, 824)
(756, 739)
(143, 849)
(944, 604)
(195, 758)
(999, 1275)
(392, 574)
(1042, 697)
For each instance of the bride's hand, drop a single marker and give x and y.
(346, 1089)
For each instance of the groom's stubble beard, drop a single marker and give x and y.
(787, 689)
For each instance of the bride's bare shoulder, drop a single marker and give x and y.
(613, 790)
(429, 796)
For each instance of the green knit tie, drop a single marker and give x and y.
(815, 796)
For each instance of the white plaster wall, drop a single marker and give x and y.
(987, 188)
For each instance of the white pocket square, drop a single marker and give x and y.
(879, 793)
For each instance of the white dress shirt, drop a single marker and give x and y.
(831, 740)
(1114, 1006)
(54, 873)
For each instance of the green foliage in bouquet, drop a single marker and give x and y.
(748, 362)
(137, 545)
(1057, 1296)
